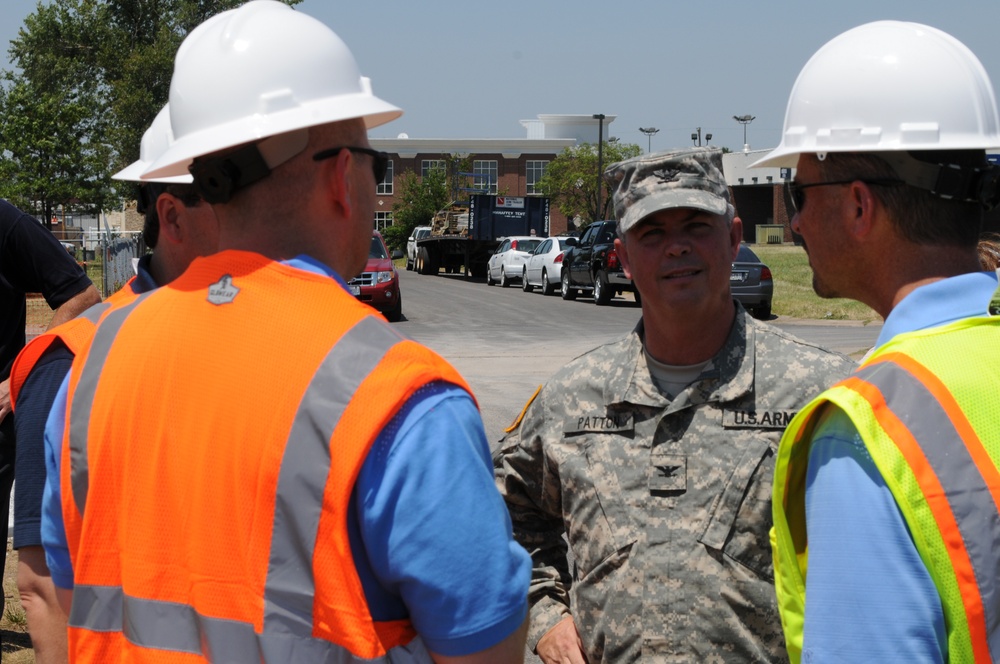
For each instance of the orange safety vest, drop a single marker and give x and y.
(206, 503)
(75, 335)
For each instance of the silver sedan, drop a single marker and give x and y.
(507, 262)
(544, 266)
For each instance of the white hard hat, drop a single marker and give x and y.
(257, 71)
(889, 86)
(154, 142)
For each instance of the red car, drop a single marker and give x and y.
(378, 285)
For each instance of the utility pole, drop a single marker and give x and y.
(600, 162)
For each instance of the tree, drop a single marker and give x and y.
(53, 116)
(92, 76)
(137, 59)
(417, 202)
(570, 180)
(420, 198)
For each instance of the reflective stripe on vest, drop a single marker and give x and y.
(289, 586)
(123, 299)
(84, 398)
(179, 628)
(959, 482)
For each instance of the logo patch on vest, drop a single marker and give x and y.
(600, 423)
(223, 291)
(757, 419)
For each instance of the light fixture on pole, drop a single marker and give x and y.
(745, 120)
(600, 160)
(696, 137)
(649, 131)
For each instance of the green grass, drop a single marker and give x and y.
(793, 293)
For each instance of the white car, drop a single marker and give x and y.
(419, 233)
(544, 266)
(507, 262)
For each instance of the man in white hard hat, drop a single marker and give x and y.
(306, 485)
(178, 227)
(887, 486)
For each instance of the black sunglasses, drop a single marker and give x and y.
(797, 194)
(380, 160)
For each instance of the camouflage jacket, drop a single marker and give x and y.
(665, 504)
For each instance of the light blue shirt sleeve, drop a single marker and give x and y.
(435, 532)
(53, 530)
(869, 597)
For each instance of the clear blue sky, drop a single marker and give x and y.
(465, 69)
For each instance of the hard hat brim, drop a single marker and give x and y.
(178, 157)
(133, 171)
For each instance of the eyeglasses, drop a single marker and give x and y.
(380, 160)
(797, 194)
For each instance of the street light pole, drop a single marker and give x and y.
(745, 120)
(600, 161)
(649, 131)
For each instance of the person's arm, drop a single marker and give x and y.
(5, 408)
(562, 644)
(68, 310)
(46, 620)
(863, 563)
(43, 610)
(436, 534)
(65, 598)
(35, 262)
(75, 306)
(511, 649)
(532, 497)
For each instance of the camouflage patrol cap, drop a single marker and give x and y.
(682, 178)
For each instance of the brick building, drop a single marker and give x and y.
(510, 166)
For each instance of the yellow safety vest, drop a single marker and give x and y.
(927, 406)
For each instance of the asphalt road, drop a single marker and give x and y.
(506, 342)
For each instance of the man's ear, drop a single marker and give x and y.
(865, 207)
(735, 236)
(335, 175)
(166, 211)
(623, 256)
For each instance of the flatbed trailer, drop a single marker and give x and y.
(457, 249)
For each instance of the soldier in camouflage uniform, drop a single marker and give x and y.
(653, 454)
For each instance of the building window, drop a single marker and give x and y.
(485, 175)
(383, 220)
(385, 186)
(534, 170)
(428, 165)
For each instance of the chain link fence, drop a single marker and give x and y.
(108, 256)
(106, 253)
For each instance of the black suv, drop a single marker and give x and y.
(593, 265)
